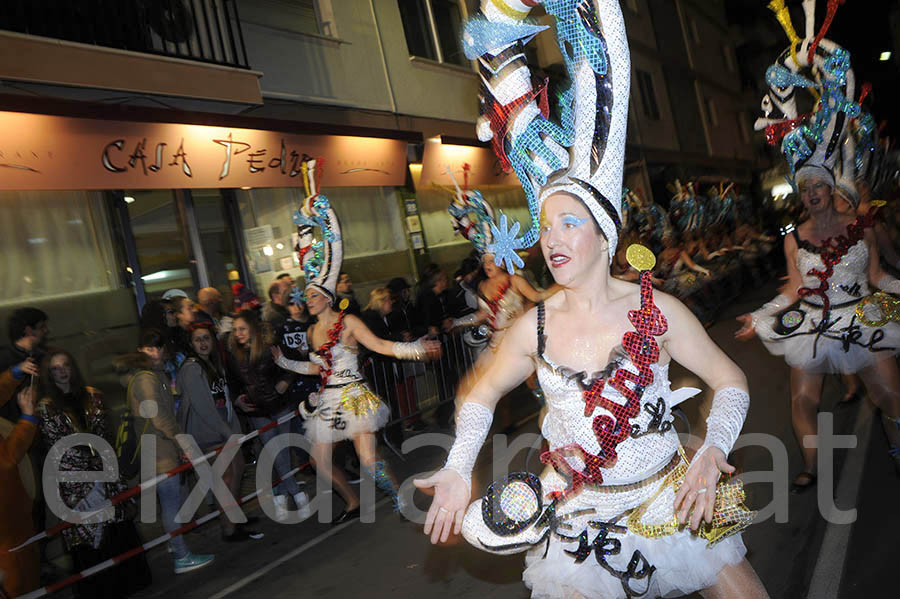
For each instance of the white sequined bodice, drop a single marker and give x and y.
(566, 423)
(509, 308)
(345, 364)
(850, 279)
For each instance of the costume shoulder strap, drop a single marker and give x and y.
(541, 321)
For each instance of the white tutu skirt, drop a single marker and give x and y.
(841, 345)
(343, 412)
(684, 563)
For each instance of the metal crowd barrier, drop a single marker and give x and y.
(413, 388)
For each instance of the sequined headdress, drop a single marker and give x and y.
(472, 216)
(321, 259)
(812, 143)
(582, 154)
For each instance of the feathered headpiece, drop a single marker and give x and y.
(811, 144)
(321, 259)
(472, 216)
(584, 153)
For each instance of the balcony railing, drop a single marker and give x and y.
(202, 30)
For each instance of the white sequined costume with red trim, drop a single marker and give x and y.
(840, 343)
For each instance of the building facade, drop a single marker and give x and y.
(148, 148)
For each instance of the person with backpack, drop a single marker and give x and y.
(152, 407)
(207, 414)
(67, 407)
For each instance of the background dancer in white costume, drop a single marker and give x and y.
(832, 258)
(345, 407)
(620, 514)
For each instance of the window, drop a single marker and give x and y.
(56, 244)
(711, 112)
(648, 95)
(302, 16)
(433, 29)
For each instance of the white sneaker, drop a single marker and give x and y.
(302, 501)
(281, 507)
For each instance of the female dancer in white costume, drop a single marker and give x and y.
(832, 258)
(620, 514)
(344, 408)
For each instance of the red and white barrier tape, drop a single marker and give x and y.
(150, 483)
(105, 565)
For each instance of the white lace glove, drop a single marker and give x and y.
(469, 320)
(297, 366)
(414, 350)
(472, 426)
(889, 284)
(771, 308)
(726, 418)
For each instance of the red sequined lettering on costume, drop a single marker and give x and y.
(831, 252)
(610, 430)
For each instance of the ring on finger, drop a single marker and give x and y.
(443, 509)
(701, 490)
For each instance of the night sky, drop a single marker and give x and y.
(864, 27)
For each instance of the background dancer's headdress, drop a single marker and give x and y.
(321, 259)
(584, 153)
(811, 144)
(472, 216)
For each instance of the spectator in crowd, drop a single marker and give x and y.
(376, 313)
(28, 331)
(68, 406)
(431, 302)
(265, 399)
(152, 405)
(402, 320)
(185, 315)
(275, 311)
(21, 568)
(286, 276)
(171, 294)
(161, 316)
(207, 414)
(464, 298)
(209, 300)
(293, 342)
(345, 292)
(244, 299)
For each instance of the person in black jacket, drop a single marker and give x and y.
(291, 339)
(265, 398)
(402, 320)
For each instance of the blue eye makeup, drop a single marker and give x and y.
(573, 221)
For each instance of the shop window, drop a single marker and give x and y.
(648, 94)
(162, 242)
(371, 227)
(433, 29)
(743, 127)
(55, 244)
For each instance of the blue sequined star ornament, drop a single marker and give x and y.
(505, 245)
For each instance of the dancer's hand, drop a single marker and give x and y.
(29, 366)
(746, 332)
(432, 348)
(698, 492)
(451, 497)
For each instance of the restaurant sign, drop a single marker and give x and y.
(49, 152)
